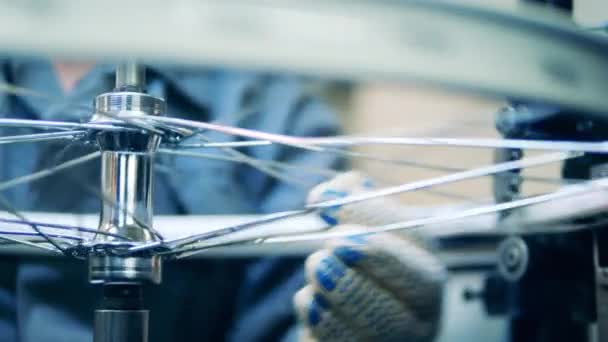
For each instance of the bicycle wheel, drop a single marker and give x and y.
(538, 59)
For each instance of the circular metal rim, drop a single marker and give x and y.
(542, 58)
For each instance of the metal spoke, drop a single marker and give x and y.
(317, 143)
(28, 178)
(63, 227)
(21, 91)
(407, 187)
(507, 228)
(55, 236)
(41, 137)
(340, 152)
(434, 167)
(30, 244)
(457, 215)
(236, 131)
(222, 231)
(252, 143)
(331, 173)
(281, 165)
(59, 125)
(450, 178)
(6, 204)
(48, 171)
(401, 162)
(271, 163)
(136, 123)
(248, 143)
(33, 241)
(474, 173)
(184, 252)
(596, 147)
(260, 166)
(13, 89)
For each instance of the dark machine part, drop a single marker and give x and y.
(513, 258)
(121, 317)
(601, 267)
(546, 283)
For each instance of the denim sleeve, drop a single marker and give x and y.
(264, 309)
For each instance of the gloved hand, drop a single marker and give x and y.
(381, 287)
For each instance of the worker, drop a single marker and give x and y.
(374, 287)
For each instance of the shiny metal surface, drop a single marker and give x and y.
(127, 158)
(126, 184)
(127, 102)
(123, 270)
(130, 76)
(127, 188)
(121, 326)
(127, 172)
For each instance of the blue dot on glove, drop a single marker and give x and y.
(349, 255)
(328, 272)
(321, 301)
(314, 315)
(327, 214)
